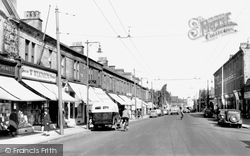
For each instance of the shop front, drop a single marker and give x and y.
(128, 104)
(14, 96)
(80, 108)
(121, 103)
(43, 83)
(246, 107)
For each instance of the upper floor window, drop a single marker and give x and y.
(50, 58)
(33, 45)
(27, 49)
(63, 68)
(76, 70)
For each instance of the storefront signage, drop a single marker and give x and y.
(10, 38)
(211, 28)
(38, 74)
(6, 69)
(247, 95)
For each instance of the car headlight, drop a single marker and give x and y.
(222, 116)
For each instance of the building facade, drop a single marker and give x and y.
(231, 81)
(29, 61)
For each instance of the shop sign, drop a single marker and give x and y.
(6, 69)
(211, 28)
(246, 95)
(38, 74)
(10, 38)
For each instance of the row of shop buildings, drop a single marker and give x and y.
(232, 82)
(28, 75)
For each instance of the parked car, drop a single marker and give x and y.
(174, 109)
(186, 110)
(208, 112)
(159, 112)
(104, 114)
(230, 117)
(153, 114)
(165, 112)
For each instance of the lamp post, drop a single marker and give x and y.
(87, 105)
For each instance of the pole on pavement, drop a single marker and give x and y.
(59, 74)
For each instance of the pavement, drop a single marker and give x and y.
(36, 137)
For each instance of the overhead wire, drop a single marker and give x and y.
(117, 34)
(130, 38)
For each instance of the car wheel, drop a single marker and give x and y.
(239, 126)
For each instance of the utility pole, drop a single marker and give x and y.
(135, 92)
(59, 81)
(222, 89)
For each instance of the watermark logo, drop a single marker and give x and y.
(211, 28)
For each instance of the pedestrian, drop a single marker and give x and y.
(181, 112)
(13, 123)
(46, 123)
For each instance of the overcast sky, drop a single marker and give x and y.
(159, 46)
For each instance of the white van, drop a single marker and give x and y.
(105, 114)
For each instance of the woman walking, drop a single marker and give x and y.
(46, 123)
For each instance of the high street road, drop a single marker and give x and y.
(167, 135)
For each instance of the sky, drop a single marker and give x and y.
(159, 49)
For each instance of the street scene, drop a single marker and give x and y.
(125, 78)
(164, 135)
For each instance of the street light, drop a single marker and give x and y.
(99, 51)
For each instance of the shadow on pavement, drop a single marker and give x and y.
(102, 129)
(246, 142)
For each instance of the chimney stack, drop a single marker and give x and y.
(33, 18)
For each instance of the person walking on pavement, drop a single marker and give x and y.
(13, 123)
(46, 123)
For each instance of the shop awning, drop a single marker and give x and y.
(53, 88)
(101, 94)
(16, 89)
(137, 102)
(126, 99)
(81, 91)
(117, 98)
(4, 95)
(36, 85)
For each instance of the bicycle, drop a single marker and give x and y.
(125, 123)
(125, 126)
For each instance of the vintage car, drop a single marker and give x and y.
(174, 109)
(208, 112)
(229, 117)
(105, 114)
(153, 113)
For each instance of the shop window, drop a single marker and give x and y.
(5, 110)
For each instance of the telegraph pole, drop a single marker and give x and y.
(59, 81)
(135, 91)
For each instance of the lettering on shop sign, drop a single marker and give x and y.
(211, 28)
(7, 69)
(10, 38)
(230, 77)
(38, 74)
